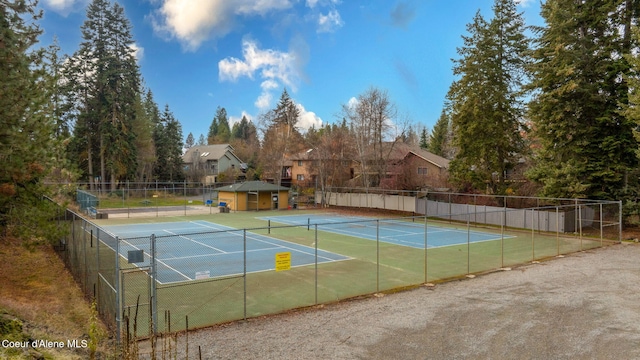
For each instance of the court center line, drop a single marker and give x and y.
(197, 242)
(158, 260)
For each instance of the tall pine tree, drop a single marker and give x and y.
(219, 131)
(104, 83)
(168, 139)
(486, 104)
(439, 139)
(586, 144)
(27, 127)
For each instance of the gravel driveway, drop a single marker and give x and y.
(583, 306)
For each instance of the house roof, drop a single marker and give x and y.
(252, 186)
(209, 152)
(401, 150)
(305, 155)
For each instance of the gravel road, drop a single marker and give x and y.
(583, 306)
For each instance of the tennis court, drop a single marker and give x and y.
(184, 252)
(405, 232)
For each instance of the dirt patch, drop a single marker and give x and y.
(41, 301)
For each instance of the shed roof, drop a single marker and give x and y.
(252, 186)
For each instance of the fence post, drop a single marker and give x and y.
(96, 290)
(475, 208)
(377, 255)
(558, 229)
(154, 293)
(502, 239)
(117, 288)
(619, 221)
(601, 225)
(316, 255)
(84, 257)
(426, 278)
(580, 223)
(533, 235)
(449, 207)
(468, 243)
(244, 271)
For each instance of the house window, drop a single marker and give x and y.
(422, 171)
(299, 162)
(300, 177)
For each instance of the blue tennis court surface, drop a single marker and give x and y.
(184, 252)
(399, 232)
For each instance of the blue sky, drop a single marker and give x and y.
(196, 55)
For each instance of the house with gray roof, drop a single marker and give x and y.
(205, 163)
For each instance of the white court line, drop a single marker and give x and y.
(280, 245)
(393, 239)
(135, 247)
(227, 253)
(197, 242)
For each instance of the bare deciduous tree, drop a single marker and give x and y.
(375, 125)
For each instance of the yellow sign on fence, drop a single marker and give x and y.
(283, 261)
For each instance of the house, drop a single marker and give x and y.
(410, 167)
(254, 195)
(303, 168)
(205, 163)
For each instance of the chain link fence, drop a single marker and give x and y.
(150, 285)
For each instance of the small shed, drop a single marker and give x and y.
(254, 195)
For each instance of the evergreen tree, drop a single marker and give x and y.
(106, 94)
(486, 105)
(438, 137)
(219, 130)
(27, 127)
(281, 136)
(244, 139)
(424, 139)
(190, 141)
(146, 119)
(168, 140)
(201, 140)
(585, 143)
(213, 130)
(631, 192)
(63, 170)
(286, 112)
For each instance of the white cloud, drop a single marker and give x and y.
(329, 22)
(272, 64)
(236, 119)
(65, 7)
(264, 100)
(312, 3)
(352, 103)
(275, 68)
(193, 22)
(524, 3)
(308, 119)
(138, 52)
